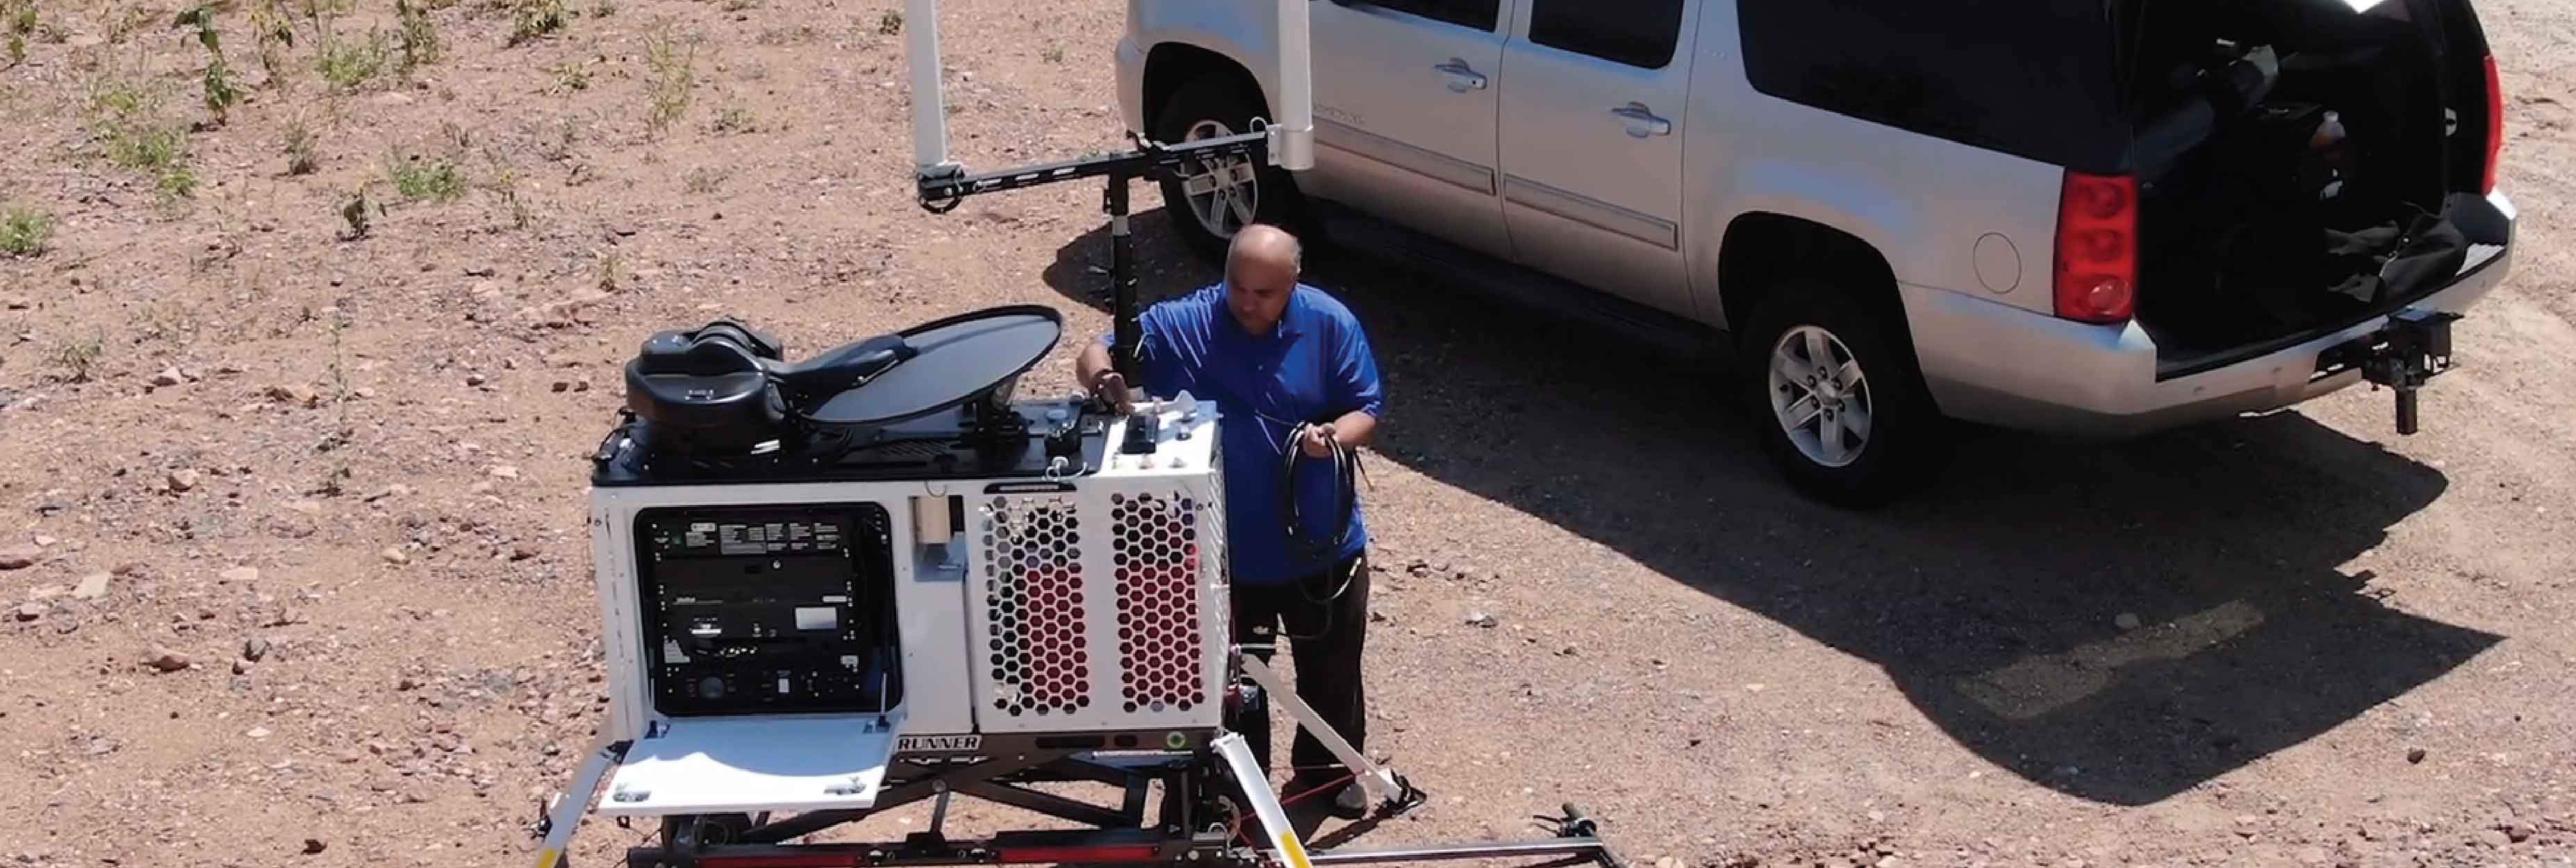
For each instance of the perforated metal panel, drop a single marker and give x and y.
(1037, 659)
(1155, 549)
(1098, 608)
(1098, 600)
(1221, 570)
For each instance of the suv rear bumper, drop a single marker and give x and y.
(2002, 365)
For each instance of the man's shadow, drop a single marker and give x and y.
(2115, 621)
(1310, 815)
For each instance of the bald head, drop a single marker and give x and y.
(1267, 246)
(1261, 269)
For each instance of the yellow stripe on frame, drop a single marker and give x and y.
(1289, 849)
(547, 858)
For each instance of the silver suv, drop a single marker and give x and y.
(2097, 216)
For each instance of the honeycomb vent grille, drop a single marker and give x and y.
(1156, 556)
(1035, 607)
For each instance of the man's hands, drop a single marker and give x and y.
(1111, 387)
(1093, 370)
(1318, 441)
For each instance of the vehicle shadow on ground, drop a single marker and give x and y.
(1994, 599)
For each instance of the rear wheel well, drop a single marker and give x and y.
(1763, 252)
(1173, 65)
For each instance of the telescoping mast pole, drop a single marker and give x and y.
(1286, 142)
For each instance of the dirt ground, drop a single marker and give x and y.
(334, 479)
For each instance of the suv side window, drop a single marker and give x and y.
(1639, 33)
(1479, 14)
(2032, 78)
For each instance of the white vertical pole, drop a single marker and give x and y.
(1292, 138)
(1375, 780)
(1281, 834)
(929, 108)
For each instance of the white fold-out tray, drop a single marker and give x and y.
(748, 765)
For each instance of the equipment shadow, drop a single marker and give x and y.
(1999, 599)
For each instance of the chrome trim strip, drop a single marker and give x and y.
(1592, 212)
(1430, 164)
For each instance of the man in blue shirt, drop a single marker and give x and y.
(1289, 368)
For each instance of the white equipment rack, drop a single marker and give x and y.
(1070, 626)
(1010, 625)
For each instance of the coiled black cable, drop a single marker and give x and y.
(1345, 463)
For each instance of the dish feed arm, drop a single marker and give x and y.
(1290, 135)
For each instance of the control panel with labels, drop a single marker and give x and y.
(768, 610)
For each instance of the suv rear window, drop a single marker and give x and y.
(1638, 33)
(1478, 14)
(2032, 78)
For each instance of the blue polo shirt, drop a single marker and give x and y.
(1314, 367)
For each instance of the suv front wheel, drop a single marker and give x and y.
(1210, 203)
(1835, 401)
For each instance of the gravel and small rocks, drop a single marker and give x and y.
(19, 557)
(165, 660)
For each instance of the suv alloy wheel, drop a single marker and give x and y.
(1208, 206)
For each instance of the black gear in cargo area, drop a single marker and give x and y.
(2296, 199)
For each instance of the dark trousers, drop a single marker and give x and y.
(1325, 638)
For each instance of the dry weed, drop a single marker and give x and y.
(504, 187)
(350, 66)
(419, 178)
(735, 118)
(704, 180)
(536, 19)
(672, 79)
(299, 139)
(354, 213)
(570, 76)
(221, 95)
(19, 16)
(415, 36)
(137, 131)
(79, 358)
(612, 271)
(24, 231)
(797, 35)
(272, 30)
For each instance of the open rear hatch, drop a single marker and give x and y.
(2303, 166)
(715, 765)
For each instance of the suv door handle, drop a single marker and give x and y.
(1642, 121)
(1462, 78)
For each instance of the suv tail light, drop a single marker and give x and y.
(2097, 248)
(2495, 125)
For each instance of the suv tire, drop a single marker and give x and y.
(1208, 107)
(1835, 397)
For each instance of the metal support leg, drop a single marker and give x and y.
(891, 797)
(572, 805)
(1580, 849)
(1122, 280)
(1386, 789)
(1255, 785)
(1127, 328)
(1049, 804)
